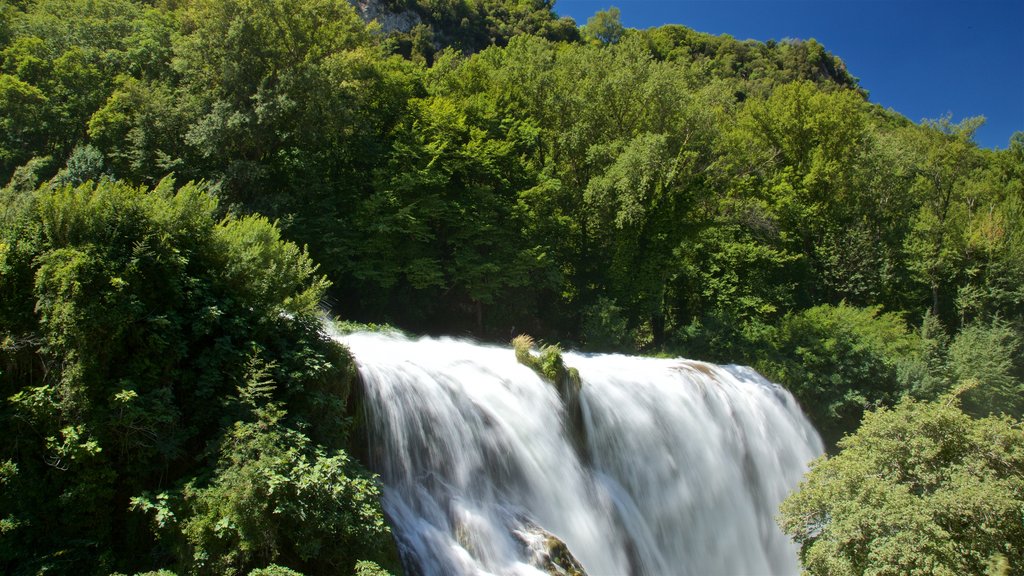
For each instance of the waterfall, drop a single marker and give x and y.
(684, 463)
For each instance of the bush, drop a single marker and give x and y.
(152, 353)
(919, 489)
(985, 359)
(840, 360)
(988, 355)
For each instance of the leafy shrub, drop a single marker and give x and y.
(274, 570)
(548, 362)
(840, 360)
(367, 568)
(921, 488)
(169, 393)
(984, 359)
(988, 355)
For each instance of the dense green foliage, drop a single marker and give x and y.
(919, 489)
(486, 167)
(465, 25)
(839, 360)
(170, 400)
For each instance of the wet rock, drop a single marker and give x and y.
(547, 552)
(390, 21)
(548, 364)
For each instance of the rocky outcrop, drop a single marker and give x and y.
(539, 548)
(547, 552)
(548, 363)
(389, 21)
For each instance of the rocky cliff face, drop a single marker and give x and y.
(390, 21)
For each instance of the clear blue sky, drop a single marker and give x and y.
(923, 59)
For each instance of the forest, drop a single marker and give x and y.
(188, 185)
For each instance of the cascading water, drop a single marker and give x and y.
(685, 463)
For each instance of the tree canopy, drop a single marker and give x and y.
(472, 167)
(921, 488)
(170, 398)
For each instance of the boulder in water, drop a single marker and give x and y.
(547, 552)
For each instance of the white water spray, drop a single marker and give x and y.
(685, 464)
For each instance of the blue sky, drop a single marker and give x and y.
(923, 59)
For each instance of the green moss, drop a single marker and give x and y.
(547, 363)
(561, 559)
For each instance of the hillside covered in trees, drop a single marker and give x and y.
(486, 168)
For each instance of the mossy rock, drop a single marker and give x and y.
(549, 365)
(547, 552)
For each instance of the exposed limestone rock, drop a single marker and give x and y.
(376, 10)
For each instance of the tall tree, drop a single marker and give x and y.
(934, 245)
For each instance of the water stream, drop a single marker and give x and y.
(682, 469)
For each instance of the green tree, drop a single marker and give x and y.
(139, 333)
(140, 128)
(840, 361)
(991, 282)
(72, 52)
(291, 105)
(988, 357)
(444, 216)
(921, 488)
(276, 497)
(935, 243)
(814, 140)
(605, 26)
(21, 126)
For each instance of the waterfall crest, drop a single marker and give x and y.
(685, 465)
